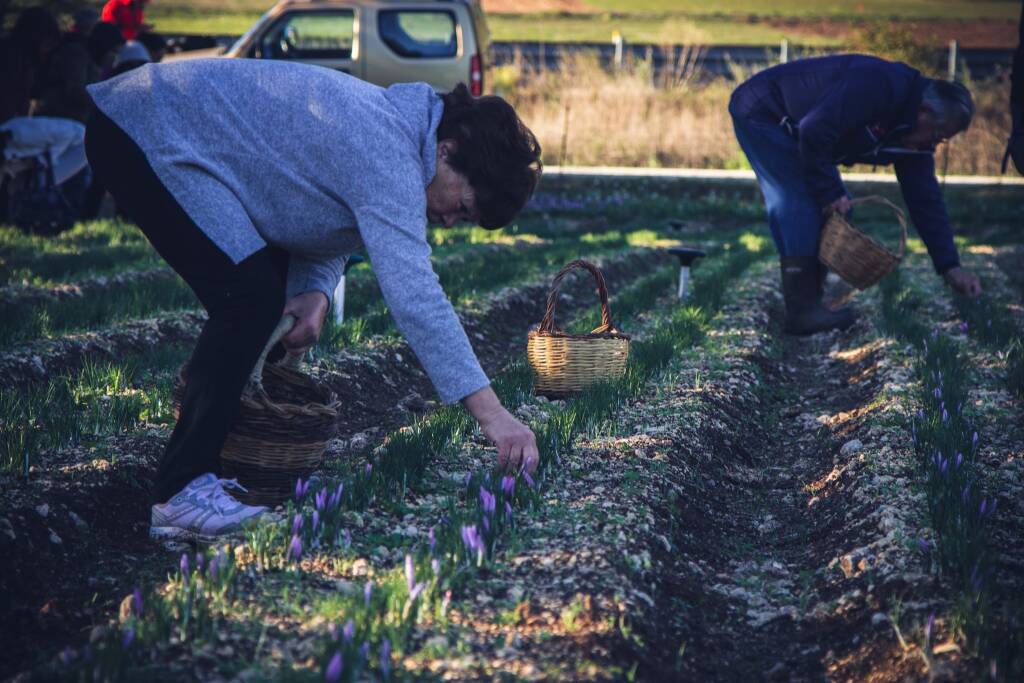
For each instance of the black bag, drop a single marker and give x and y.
(37, 205)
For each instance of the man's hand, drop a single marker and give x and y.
(963, 282)
(309, 309)
(841, 206)
(517, 446)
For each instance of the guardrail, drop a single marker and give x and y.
(710, 61)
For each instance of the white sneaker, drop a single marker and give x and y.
(202, 511)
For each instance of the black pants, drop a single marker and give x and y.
(244, 302)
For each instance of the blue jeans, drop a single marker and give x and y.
(793, 214)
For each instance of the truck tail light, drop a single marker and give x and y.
(476, 76)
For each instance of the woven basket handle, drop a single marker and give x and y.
(547, 323)
(255, 384)
(875, 199)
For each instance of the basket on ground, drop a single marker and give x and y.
(855, 256)
(565, 364)
(283, 425)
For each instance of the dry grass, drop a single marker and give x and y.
(584, 115)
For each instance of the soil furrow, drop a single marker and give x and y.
(88, 506)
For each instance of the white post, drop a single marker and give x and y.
(617, 42)
(784, 51)
(954, 48)
(339, 301)
(684, 282)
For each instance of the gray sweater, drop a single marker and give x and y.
(312, 161)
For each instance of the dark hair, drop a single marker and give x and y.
(104, 38)
(34, 26)
(497, 154)
(950, 104)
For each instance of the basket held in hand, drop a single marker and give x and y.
(565, 364)
(855, 256)
(283, 425)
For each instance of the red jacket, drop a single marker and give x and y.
(124, 14)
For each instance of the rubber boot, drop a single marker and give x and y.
(801, 288)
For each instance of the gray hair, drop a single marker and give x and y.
(950, 104)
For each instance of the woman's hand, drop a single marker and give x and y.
(841, 206)
(962, 281)
(517, 447)
(309, 309)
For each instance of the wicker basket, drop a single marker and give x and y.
(565, 364)
(283, 425)
(854, 256)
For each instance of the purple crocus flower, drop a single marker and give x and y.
(486, 521)
(410, 573)
(295, 548)
(963, 326)
(348, 538)
(470, 537)
(959, 460)
(992, 508)
(369, 468)
(508, 512)
(183, 565)
(364, 651)
(298, 489)
(920, 414)
(385, 657)
(487, 501)
(467, 479)
(296, 523)
(936, 393)
(982, 507)
(944, 466)
(333, 672)
(338, 491)
(416, 590)
(66, 656)
(945, 416)
(529, 480)
(349, 632)
(367, 593)
(974, 440)
(321, 499)
(435, 566)
(508, 486)
(924, 545)
(199, 562)
(127, 638)
(928, 629)
(137, 601)
(316, 520)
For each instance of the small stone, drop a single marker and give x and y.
(54, 538)
(6, 529)
(851, 447)
(878, 618)
(778, 672)
(78, 521)
(43, 510)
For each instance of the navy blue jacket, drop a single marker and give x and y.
(849, 109)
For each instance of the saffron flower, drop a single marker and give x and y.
(385, 657)
(296, 523)
(369, 469)
(349, 632)
(367, 593)
(487, 501)
(467, 479)
(333, 672)
(508, 512)
(508, 486)
(295, 548)
(924, 545)
(992, 508)
(127, 638)
(974, 440)
(199, 562)
(529, 480)
(963, 326)
(298, 489)
(183, 565)
(945, 416)
(959, 460)
(416, 590)
(321, 499)
(982, 507)
(364, 651)
(928, 629)
(316, 520)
